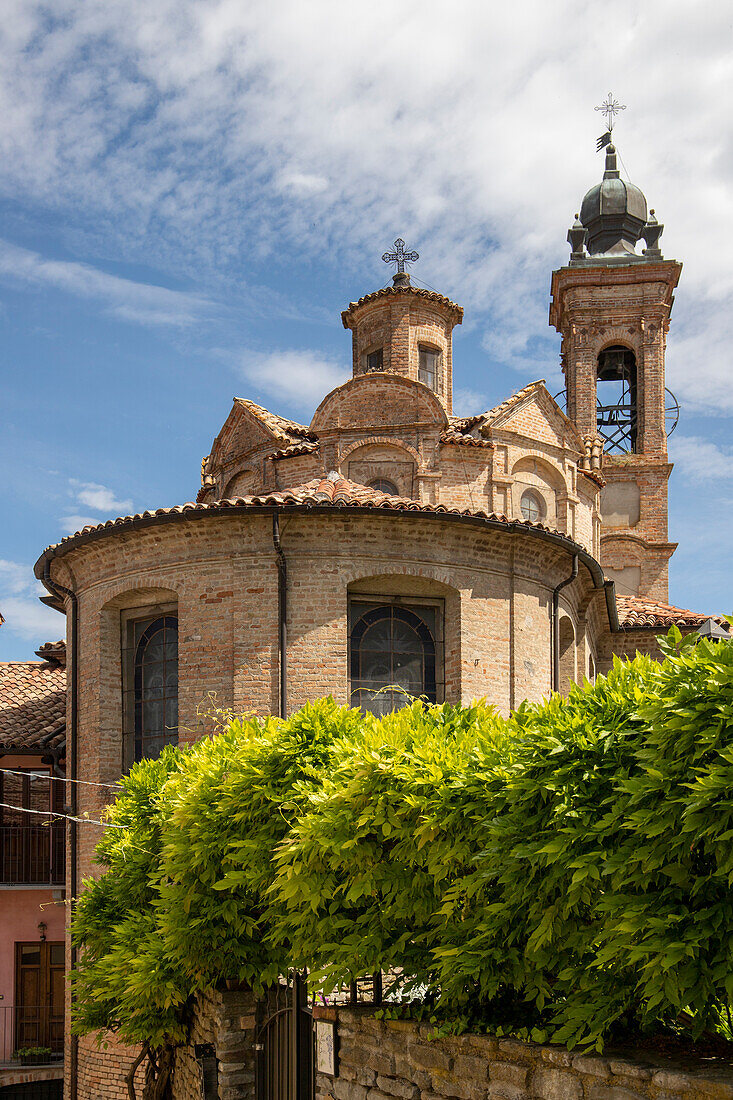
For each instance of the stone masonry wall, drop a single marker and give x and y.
(382, 1060)
(226, 1021)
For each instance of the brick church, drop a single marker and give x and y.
(390, 546)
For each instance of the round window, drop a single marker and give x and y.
(384, 485)
(533, 506)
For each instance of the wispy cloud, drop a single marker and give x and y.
(179, 128)
(23, 613)
(466, 402)
(299, 378)
(701, 461)
(98, 496)
(142, 303)
(73, 523)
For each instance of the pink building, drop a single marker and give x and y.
(32, 911)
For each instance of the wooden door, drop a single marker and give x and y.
(39, 995)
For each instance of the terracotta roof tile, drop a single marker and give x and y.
(641, 612)
(338, 491)
(389, 291)
(593, 475)
(458, 439)
(491, 414)
(279, 425)
(53, 652)
(32, 705)
(306, 447)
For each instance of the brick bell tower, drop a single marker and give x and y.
(407, 330)
(611, 305)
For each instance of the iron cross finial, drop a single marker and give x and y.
(399, 256)
(610, 108)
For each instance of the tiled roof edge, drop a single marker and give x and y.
(389, 291)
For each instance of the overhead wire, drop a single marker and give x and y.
(64, 817)
(56, 778)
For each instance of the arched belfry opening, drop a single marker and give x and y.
(617, 417)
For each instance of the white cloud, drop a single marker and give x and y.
(98, 497)
(14, 577)
(142, 303)
(303, 183)
(300, 378)
(202, 133)
(701, 461)
(468, 402)
(23, 613)
(71, 524)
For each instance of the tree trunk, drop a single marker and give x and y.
(158, 1076)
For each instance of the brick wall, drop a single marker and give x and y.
(381, 1060)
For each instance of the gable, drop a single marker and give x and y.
(243, 432)
(537, 417)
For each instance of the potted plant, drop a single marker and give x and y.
(33, 1056)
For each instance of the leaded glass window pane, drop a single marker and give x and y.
(393, 656)
(155, 685)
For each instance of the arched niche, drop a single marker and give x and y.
(539, 481)
(242, 484)
(382, 460)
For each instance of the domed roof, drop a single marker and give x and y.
(614, 212)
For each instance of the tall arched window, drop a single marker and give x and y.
(393, 655)
(155, 685)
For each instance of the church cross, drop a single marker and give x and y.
(610, 108)
(399, 256)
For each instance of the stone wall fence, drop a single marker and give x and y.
(388, 1059)
(402, 1060)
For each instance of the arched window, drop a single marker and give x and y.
(384, 485)
(155, 686)
(533, 506)
(393, 655)
(616, 416)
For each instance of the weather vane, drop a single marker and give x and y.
(399, 256)
(609, 108)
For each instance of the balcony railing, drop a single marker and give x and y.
(31, 1026)
(32, 855)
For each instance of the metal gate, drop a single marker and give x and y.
(285, 1043)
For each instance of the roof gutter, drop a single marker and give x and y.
(199, 512)
(282, 613)
(62, 594)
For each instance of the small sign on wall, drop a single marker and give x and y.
(326, 1054)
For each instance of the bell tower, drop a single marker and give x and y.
(611, 305)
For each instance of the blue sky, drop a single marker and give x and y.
(190, 192)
